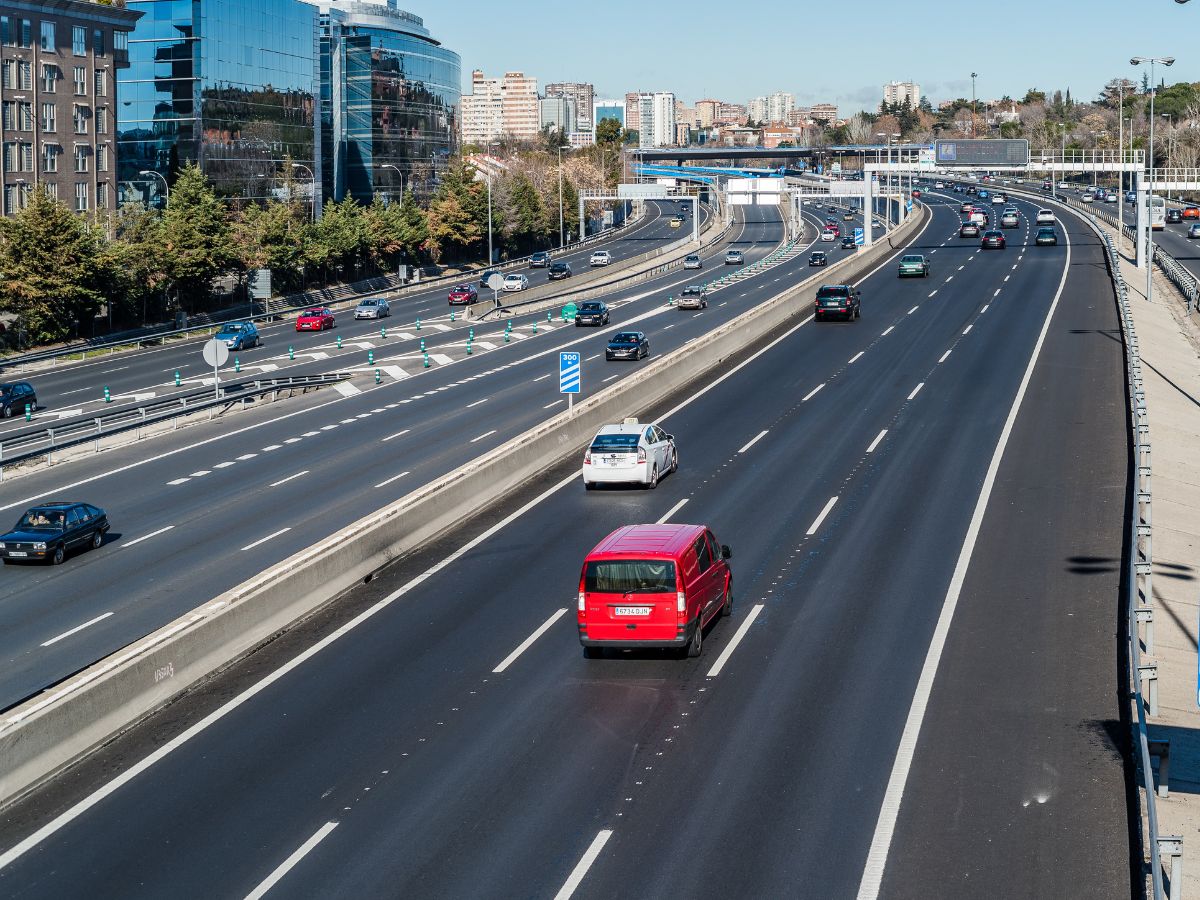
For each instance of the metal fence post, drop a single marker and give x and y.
(1172, 845)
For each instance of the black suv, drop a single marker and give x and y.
(838, 300)
(1174, 216)
(15, 396)
(591, 312)
(539, 260)
(559, 270)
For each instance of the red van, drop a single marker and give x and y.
(653, 586)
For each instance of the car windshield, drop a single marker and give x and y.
(589, 307)
(42, 520)
(626, 337)
(312, 312)
(461, 288)
(368, 303)
(231, 329)
(630, 576)
(614, 443)
(693, 291)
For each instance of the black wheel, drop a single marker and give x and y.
(60, 554)
(696, 645)
(576, 323)
(589, 486)
(591, 652)
(653, 482)
(97, 540)
(674, 460)
(8, 411)
(727, 606)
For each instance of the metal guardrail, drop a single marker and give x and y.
(45, 441)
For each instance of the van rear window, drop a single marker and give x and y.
(630, 576)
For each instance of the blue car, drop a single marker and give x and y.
(239, 335)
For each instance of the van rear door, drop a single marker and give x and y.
(630, 599)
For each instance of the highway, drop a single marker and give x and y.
(925, 509)
(198, 511)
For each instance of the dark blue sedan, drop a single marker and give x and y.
(627, 345)
(46, 533)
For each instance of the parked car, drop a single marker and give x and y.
(463, 294)
(818, 258)
(694, 296)
(630, 453)
(914, 264)
(373, 308)
(653, 586)
(838, 300)
(15, 396)
(239, 335)
(734, 258)
(316, 319)
(1046, 237)
(627, 345)
(693, 261)
(47, 532)
(559, 271)
(600, 258)
(591, 312)
(539, 260)
(516, 281)
(993, 240)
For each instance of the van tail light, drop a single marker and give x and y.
(582, 602)
(587, 456)
(681, 603)
(641, 454)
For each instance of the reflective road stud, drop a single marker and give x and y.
(107, 395)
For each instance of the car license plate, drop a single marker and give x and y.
(631, 610)
(17, 553)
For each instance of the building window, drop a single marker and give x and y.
(25, 75)
(97, 43)
(102, 195)
(50, 158)
(81, 196)
(101, 82)
(11, 199)
(49, 78)
(26, 32)
(102, 120)
(120, 40)
(101, 160)
(48, 43)
(52, 189)
(49, 118)
(26, 111)
(80, 81)
(10, 115)
(79, 40)
(6, 33)
(80, 118)
(7, 77)
(27, 158)
(81, 159)
(10, 156)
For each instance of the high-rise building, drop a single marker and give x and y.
(633, 119)
(558, 113)
(500, 107)
(390, 99)
(730, 113)
(229, 85)
(662, 134)
(706, 112)
(58, 92)
(824, 112)
(899, 91)
(608, 109)
(584, 96)
(772, 108)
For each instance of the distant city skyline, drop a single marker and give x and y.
(637, 47)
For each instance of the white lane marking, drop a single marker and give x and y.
(734, 641)
(916, 390)
(544, 377)
(178, 481)
(388, 481)
(810, 394)
(754, 440)
(349, 421)
(117, 369)
(289, 478)
(555, 403)
(477, 402)
(78, 391)
(885, 826)
(967, 330)
(146, 537)
(951, 278)
(997, 294)
(293, 440)
(346, 389)
(678, 506)
(856, 357)
(581, 868)
(984, 308)
(931, 293)
(328, 427)
(914, 309)
(1014, 266)
(310, 434)
(76, 629)
(246, 456)
(199, 473)
(482, 436)
(263, 540)
(887, 330)
(610, 378)
(528, 642)
(875, 443)
(224, 465)
(270, 447)
(812, 529)
(960, 268)
(1006, 277)
(943, 356)
(290, 863)
(396, 435)
(593, 356)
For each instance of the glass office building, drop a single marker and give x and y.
(232, 85)
(390, 99)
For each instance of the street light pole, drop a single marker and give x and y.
(1149, 257)
(974, 75)
(161, 177)
(312, 199)
(401, 174)
(562, 239)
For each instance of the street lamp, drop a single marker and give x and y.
(313, 198)
(1149, 258)
(160, 176)
(887, 214)
(974, 75)
(562, 239)
(401, 174)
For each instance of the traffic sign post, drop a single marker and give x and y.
(496, 282)
(569, 376)
(216, 354)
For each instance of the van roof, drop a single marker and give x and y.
(667, 540)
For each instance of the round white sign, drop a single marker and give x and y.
(495, 281)
(215, 353)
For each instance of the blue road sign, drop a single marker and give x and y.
(568, 373)
(908, 206)
(859, 238)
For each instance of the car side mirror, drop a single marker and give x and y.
(670, 437)
(726, 553)
(858, 293)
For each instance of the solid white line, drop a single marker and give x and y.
(581, 867)
(678, 506)
(528, 642)
(477, 402)
(812, 529)
(396, 435)
(290, 863)
(289, 478)
(274, 534)
(482, 436)
(810, 394)
(887, 331)
(754, 440)
(872, 877)
(943, 357)
(875, 443)
(737, 639)
(390, 480)
(77, 628)
(146, 537)
(856, 357)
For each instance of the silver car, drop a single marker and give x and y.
(694, 296)
(692, 261)
(372, 308)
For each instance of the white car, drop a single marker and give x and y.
(1045, 217)
(1111, 198)
(516, 282)
(1063, 185)
(629, 453)
(1086, 197)
(828, 236)
(939, 185)
(996, 201)
(600, 258)
(372, 308)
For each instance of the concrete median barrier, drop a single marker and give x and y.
(48, 732)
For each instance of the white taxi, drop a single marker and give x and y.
(630, 453)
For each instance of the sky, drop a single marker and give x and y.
(827, 52)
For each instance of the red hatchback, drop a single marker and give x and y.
(1191, 212)
(648, 586)
(316, 319)
(462, 294)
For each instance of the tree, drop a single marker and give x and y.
(196, 239)
(54, 270)
(274, 236)
(1034, 96)
(450, 227)
(608, 132)
(137, 252)
(529, 219)
(414, 226)
(338, 240)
